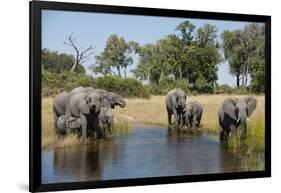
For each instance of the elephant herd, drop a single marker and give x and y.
(89, 112)
(232, 114)
(86, 110)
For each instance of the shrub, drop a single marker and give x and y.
(128, 87)
(202, 86)
(224, 89)
(54, 83)
(167, 84)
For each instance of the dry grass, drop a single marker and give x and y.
(153, 111)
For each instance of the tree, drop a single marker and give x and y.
(55, 62)
(207, 36)
(244, 51)
(233, 53)
(151, 64)
(186, 29)
(188, 55)
(81, 55)
(115, 57)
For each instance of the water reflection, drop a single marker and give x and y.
(144, 152)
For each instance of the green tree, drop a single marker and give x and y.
(152, 63)
(233, 53)
(184, 56)
(244, 51)
(187, 32)
(200, 55)
(115, 58)
(55, 62)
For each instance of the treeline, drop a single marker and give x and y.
(54, 83)
(189, 59)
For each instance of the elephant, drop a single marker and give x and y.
(112, 99)
(81, 89)
(59, 105)
(73, 124)
(234, 113)
(86, 106)
(106, 120)
(193, 114)
(175, 104)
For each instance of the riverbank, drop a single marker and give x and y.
(153, 112)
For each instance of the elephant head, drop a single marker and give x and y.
(240, 110)
(94, 101)
(114, 99)
(179, 99)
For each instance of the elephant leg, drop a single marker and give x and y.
(97, 128)
(243, 132)
(199, 119)
(176, 118)
(110, 128)
(222, 133)
(169, 120)
(233, 130)
(194, 122)
(84, 125)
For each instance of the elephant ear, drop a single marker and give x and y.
(229, 107)
(84, 107)
(174, 101)
(251, 105)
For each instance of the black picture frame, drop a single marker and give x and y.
(35, 8)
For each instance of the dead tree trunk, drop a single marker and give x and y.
(81, 56)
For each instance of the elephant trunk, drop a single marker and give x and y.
(121, 103)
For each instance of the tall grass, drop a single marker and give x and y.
(153, 112)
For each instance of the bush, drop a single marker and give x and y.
(128, 87)
(202, 86)
(167, 84)
(54, 83)
(224, 89)
(242, 91)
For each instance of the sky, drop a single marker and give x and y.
(95, 28)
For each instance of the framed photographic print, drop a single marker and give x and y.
(125, 96)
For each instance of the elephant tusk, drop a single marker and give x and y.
(248, 119)
(238, 120)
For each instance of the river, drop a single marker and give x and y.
(142, 152)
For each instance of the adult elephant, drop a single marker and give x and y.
(111, 99)
(86, 106)
(81, 89)
(175, 105)
(233, 114)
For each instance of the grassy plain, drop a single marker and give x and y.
(153, 112)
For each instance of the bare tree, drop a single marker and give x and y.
(81, 55)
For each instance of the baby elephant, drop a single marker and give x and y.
(106, 120)
(64, 126)
(193, 114)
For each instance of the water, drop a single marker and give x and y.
(143, 152)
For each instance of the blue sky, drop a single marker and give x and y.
(94, 28)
